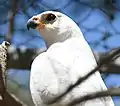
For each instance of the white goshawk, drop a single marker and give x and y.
(67, 58)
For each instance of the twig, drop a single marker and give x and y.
(94, 95)
(104, 61)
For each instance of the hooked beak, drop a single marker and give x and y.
(31, 24)
(35, 25)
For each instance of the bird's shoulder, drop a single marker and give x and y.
(49, 76)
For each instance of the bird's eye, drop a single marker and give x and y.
(35, 18)
(50, 17)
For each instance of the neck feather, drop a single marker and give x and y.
(51, 37)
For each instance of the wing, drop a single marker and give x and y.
(63, 63)
(47, 80)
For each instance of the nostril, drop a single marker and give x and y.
(35, 19)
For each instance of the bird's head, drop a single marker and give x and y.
(5, 44)
(54, 26)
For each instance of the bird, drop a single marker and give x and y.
(67, 58)
(3, 58)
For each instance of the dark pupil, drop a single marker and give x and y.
(50, 17)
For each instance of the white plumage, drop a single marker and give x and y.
(67, 58)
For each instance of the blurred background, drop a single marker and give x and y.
(99, 21)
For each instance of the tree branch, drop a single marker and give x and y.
(104, 61)
(25, 59)
(94, 95)
(11, 15)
